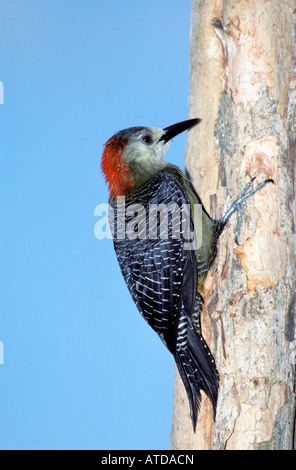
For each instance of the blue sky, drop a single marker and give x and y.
(82, 370)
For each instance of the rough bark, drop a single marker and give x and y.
(243, 86)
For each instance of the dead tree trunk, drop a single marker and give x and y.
(243, 86)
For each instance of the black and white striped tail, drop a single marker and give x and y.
(197, 369)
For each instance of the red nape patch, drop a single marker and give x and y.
(115, 170)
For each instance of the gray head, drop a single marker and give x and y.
(134, 155)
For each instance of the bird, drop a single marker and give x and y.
(163, 260)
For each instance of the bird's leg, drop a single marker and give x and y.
(237, 206)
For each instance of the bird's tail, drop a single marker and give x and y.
(198, 371)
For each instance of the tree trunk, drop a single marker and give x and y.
(243, 86)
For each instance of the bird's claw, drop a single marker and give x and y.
(238, 204)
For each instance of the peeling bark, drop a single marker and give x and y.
(243, 86)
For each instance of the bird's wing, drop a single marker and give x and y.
(160, 272)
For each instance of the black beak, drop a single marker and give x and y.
(176, 129)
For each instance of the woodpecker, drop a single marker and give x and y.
(164, 277)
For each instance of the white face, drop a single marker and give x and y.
(144, 152)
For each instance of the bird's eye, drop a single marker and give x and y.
(147, 139)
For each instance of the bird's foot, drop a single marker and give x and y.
(238, 204)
